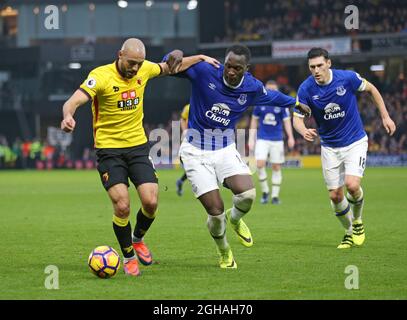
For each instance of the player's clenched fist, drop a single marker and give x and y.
(389, 125)
(174, 61)
(310, 134)
(68, 124)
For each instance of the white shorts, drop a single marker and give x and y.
(338, 162)
(207, 169)
(270, 150)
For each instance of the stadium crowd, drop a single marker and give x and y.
(37, 154)
(297, 19)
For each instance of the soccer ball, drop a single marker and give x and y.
(104, 262)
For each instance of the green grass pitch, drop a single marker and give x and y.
(58, 217)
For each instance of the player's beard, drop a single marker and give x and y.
(128, 74)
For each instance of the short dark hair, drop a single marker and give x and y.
(318, 52)
(240, 50)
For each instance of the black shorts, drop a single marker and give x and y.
(117, 165)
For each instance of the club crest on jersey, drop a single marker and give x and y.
(242, 99)
(333, 111)
(277, 109)
(340, 91)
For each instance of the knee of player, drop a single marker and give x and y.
(276, 167)
(243, 201)
(215, 210)
(261, 164)
(122, 209)
(336, 196)
(150, 207)
(352, 186)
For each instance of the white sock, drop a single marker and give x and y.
(344, 213)
(236, 215)
(276, 179)
(356, 204)
(262, 174)
(217, 229)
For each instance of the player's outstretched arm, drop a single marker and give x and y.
(388, 123)
(299, 126)
(173, 64)
(303, 108)
(279, 99)
(68, 110)
(190, 61)
(289, 131)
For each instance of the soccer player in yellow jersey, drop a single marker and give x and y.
(117, 92)
(184, 126)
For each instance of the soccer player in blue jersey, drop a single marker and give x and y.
(219, 98)
(331, 95)
(268, 122)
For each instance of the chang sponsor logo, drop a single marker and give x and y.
(219, 113)
(333, 111)
(270, 119)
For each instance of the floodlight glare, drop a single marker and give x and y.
(192, 4)
(122, 4)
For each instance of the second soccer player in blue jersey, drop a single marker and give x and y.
(268, 123)
(331, 95)
(219, 98)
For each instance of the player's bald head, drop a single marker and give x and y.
(133, 48)
(131, 57)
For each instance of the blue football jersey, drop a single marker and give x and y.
(334, 107)
(216, 107)
(270, 122)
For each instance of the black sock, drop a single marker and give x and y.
(123, 235)
(184, 177)
(143, 223)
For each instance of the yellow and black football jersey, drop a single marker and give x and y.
(117, 104)
(185, 112)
